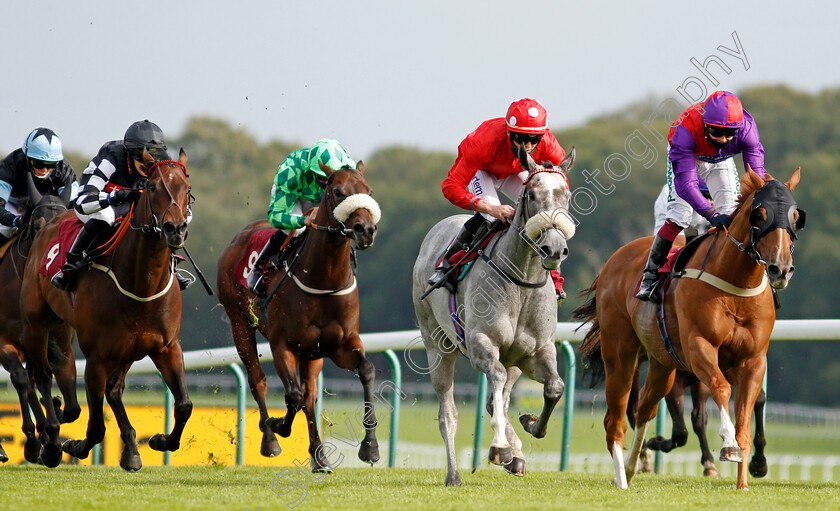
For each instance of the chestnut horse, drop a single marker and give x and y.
(42, 208)
(719, 316)
(312, 312)
(675, 402)
(124, 307)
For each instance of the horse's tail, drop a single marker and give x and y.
(590, 348)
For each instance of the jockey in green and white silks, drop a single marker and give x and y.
(298, 187)
(299, 182)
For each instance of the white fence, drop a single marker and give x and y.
(416, 455)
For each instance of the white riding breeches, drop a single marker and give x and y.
(486, 186)
(724, 187)
(697, 226)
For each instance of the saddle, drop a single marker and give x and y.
(462, 261)
(5, 247)
(258, 241)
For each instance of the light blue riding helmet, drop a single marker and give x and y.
(44, 145)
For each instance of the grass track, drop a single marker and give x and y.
(238, 488)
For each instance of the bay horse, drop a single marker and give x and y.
(41, 209)
(124, 307)
(507, 312)
(719, 316)
(311, 312)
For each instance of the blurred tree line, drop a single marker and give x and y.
(621, 159)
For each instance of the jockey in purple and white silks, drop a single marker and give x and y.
(40, 156)
(702, 143)
(108, 187)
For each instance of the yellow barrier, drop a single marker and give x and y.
(209, 437)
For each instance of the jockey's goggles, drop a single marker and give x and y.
(524, 138)
(720, 131)
(38, 164)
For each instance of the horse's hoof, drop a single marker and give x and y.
(3, 456)
(51, 455)
(131, 462)
(75, 448)
(32, 449)
(731, 454)
(500, 455)
(160, 442)
(322, 468)
(369, 452)
(270, 447)
(453, 480)
(70, 415)
(528, 421)
(516, 467)
(758, 466)
(276, 425)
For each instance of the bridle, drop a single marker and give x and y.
(339, 228)
(154, 226)
(779, 204)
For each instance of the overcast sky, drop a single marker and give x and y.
(373, 73)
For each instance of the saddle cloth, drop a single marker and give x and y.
(256, 243)
(57, 249)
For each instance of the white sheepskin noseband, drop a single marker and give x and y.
(558, 219)
(357, 201)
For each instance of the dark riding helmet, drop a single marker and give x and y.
(144, 134)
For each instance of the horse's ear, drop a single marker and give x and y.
(525, 159)
(568, 161)
(794, 179)
(326, 169)
(182, 156)
(147, 156)
(34, 195)
(360, 166)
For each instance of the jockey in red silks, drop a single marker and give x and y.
(487, 163)
(702, 144)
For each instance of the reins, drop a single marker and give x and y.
(151, 228)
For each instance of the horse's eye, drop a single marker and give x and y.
(337, 192)
(531, 195)
(152, 187)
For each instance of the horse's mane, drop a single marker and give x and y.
(750, 183)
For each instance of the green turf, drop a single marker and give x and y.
(239, 488)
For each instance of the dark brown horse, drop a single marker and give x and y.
(41, 209)
(719, 316)
(124, 308)
(312, 312)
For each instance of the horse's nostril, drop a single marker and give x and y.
(565, 252)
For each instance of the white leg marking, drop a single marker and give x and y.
(727, 429)
(618, 462)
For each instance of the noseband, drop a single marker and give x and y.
(364, 201)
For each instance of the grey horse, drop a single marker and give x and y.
(507, 309)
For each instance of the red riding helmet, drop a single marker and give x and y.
(527, 116)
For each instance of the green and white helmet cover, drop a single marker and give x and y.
(329, 152)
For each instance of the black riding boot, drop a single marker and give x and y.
(657, 257)
(75, 255)
(462, 241)
(270, 248)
